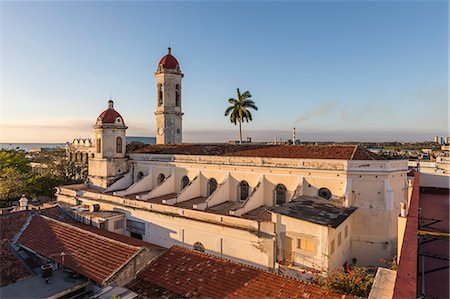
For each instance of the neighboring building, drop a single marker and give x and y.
(80, 150)
(278, 207)
(436, 139)
(45, 252)
(423, 261)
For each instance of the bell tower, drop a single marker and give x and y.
(109, 162)
(168, 101)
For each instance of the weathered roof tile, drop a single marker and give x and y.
(229, 281)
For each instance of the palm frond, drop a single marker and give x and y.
(246, 95)
(232, 101)
(229, 109)
(252, 106)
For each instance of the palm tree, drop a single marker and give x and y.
(238, 110)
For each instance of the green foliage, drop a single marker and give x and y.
(357, 281)
(17, 177)
(390, 263)
(15, 159)
(239, 109)
(40, 185)
(12, 185)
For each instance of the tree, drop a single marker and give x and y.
(12, 185)
(238, 110)
(16, 159)
(17, 176)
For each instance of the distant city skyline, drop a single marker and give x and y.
(340, 71)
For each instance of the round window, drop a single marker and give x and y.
(178, 131)
(324, 193)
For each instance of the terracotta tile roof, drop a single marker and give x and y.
(169, 61)
(92, 252)
(12, 268)
(193, 274)
(339, 152)
(109, 116)
(11, 223)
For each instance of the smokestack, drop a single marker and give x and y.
(293, 136)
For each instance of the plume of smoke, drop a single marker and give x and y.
(324, 109)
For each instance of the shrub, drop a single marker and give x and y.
(357, 281)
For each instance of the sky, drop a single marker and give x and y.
(337, 70)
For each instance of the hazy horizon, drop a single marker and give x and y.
(269, 136)
(340, 71)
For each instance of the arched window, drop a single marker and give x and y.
(177, 96)
(280, 194)
(160, 94)
(86, 157)
(99, 145)
(139, 176)
(212, 186)
(324, 193)
(92, 155)
(70, 156)
(199, 247)
(161, 178)
(243, 190)
(119, 145)
(184, 182)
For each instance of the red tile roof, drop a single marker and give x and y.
(11, 223)
(168, 61)
(87, 251)
(340, 152)
(12, 268)
(193, 274)
(109, 116)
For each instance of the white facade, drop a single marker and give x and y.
(229, 205)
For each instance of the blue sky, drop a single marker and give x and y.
(367, 70)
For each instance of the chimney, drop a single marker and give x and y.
(403, 209)
(293, 136)
(23, 202)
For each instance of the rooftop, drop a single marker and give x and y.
(12, 268)
(338, 152)
(92, 252)
(315, 210)
(98, 214)
(181, 272)
(434, 204)
(60, 282)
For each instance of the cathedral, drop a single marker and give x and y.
(293, 209)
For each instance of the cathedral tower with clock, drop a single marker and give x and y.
(168, 101)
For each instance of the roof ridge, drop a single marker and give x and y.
(354, 151)
(237, 263)
(89, 232)
(22, 229)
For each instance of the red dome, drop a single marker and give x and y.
(169, 62)
(110, 115)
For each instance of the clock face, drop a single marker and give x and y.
(160, 130)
